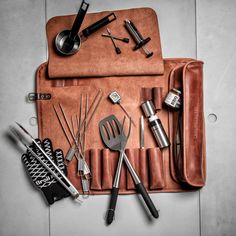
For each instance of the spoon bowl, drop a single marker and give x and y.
(65, 45)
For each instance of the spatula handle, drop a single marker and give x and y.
(112, 205)
(115, 191)
(141, 189)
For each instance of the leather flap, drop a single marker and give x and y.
(96, 53)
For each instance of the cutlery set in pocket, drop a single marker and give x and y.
(125, 123)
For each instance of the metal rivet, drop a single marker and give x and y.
(212, 118)
(33, 121)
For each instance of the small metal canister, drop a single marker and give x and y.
(155, 124)
(173, 98)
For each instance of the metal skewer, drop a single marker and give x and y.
(85, 124)
(90, 110)
(141, 132)
(94, 104)
(62, 126)
(81, 159)
(80, 164)
(72, 150)
(68, 126)
(85, 165)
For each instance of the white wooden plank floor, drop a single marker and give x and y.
(189, 28)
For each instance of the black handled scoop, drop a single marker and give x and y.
(68, 41)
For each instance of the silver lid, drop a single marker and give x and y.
(176, 90)
(148, 108)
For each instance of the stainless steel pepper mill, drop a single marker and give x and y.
(155, 124)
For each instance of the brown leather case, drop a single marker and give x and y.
(136, 78)
(161, 171)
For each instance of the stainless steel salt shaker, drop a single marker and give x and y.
(155, 124)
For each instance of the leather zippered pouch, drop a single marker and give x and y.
(187, 126)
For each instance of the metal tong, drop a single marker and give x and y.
(115, 139)
(56, 172)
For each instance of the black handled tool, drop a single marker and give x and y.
(68, 42)
(138, 38)
(125, 40)
(116, 140)
(97, 25)
(117, 49)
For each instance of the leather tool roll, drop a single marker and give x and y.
(180, 167)
(160, 171)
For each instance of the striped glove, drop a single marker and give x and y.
(43, 180)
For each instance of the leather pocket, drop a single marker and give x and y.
(96, 169)
(187, 132)
(147, 163)
(133, 156)
(107, 168)
(157, 97)
(154, 94)
(156, 171)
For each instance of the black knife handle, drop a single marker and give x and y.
(112, 205)
(99, 24)
(78, 20)
(141, 189)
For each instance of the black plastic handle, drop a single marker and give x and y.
(112, 205)
(125, 40)
(78, 20)
(99, 24)
(141, 189)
